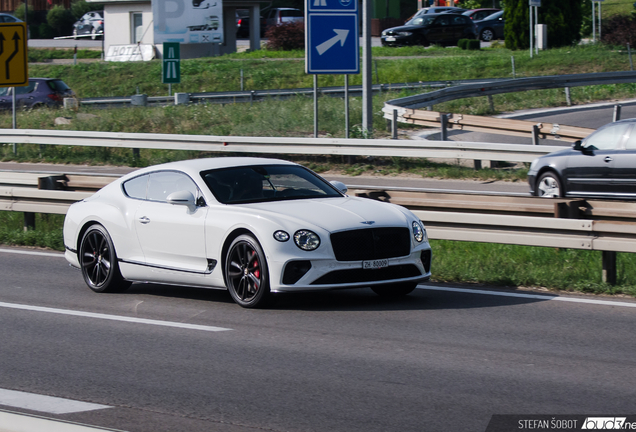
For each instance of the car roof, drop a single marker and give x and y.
(194, 166)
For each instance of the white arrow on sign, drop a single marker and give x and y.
(341, 36)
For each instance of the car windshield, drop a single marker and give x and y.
(264, 183)
(421, 21)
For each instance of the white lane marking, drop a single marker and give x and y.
(25, 252)
(42, 403)
(531, 296)
(14, 422)
(113, 317)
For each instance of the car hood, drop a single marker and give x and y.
(333, 214)
(404, 28)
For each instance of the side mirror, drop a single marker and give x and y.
(577, 145)
(340, 186)
(183, 197)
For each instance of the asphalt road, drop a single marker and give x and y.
(337, 361)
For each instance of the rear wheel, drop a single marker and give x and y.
(549, 186)
(394, 290)
(246, 272)
(487, 35)
(98, 261)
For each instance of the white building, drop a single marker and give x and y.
(131, 22)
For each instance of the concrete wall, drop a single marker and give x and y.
(118, 25)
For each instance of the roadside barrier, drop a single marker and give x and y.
(607, 226)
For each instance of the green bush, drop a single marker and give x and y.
(462, 43)
(45, 31)
(473, 44)
(61, 20)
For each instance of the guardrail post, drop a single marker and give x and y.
(181, 98)
(477, 164)
(609, 267)
(629, 52)
(568, 100)
(444, 124)
(139, 100)
(617, 113)
(491, 104)
(535, 135)
(29, 221)
(394, 128)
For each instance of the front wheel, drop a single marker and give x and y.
(246, 272)
(548, 186)
(98, 262)
(394, 290)
(487, 35)
(94, 34)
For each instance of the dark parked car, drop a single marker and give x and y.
(491, 27)
(278, 16)
(603, 165)
(91, 23)
(40, 92)
(480, 14)
(441, 29)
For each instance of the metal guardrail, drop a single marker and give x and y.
(278, 145)
(490, 125)
(407, 109)
(258, 95)
(608, 226)
(513, 85)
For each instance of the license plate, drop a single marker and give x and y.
(375, 264)
(390, 39)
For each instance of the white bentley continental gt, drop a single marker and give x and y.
(252, 226)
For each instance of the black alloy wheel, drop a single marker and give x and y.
(98, 262)
(246, 272)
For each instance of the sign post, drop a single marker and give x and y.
(14, 70)
(171, 65)
(534, 21)
(331, 39)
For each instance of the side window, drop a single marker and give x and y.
(442, 21)
(136, 187)
(458, 20)
(163, 183)
(630, 144)
(608, 138)
(25, 89)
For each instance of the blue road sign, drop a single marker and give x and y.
(332, 37)
(332, 6)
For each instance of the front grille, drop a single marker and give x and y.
(371, 243)
(361, 275)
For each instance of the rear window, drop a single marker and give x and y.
(58, 86)
(291, 13)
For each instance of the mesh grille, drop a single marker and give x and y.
(371, 243)
(361, 275)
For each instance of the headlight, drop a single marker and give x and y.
(404, 33)
(306, 240)
(419, 233)
(281, 236)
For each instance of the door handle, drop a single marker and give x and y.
(144, 220)
(608, 159)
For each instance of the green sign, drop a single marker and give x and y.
(171, 66)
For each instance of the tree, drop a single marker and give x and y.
(563, 18)
(61, 20)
